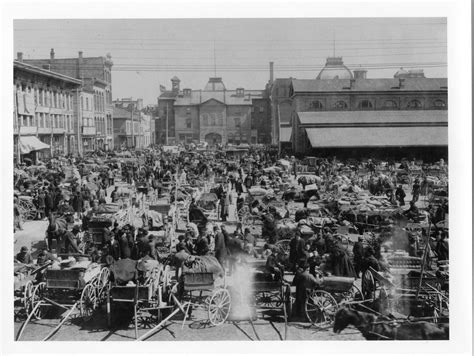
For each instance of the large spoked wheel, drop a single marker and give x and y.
(353, 294)
(320, 307)
(27, 294)
(36, 297)
(102, 283)
(88, 302)
(284, 245)
(219, 307)
(287, 302)
(269, 299)
(243, 211)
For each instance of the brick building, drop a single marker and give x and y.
(44, 106)
(214, 114)
(96, 75)
(345, 113)
(142, 134)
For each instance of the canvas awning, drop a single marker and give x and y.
(31, 143)
(377, 136)
(285, 134)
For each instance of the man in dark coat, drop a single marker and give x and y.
(400, 195)
(297, 250)
(358, 252)
(303, 281)
(48, 203)
(220, 246)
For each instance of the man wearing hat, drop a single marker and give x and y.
(303, 281)
(297, 250)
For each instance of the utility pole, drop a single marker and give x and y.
(133, 132)
(79, 121)
(167, 116)
(18, 125)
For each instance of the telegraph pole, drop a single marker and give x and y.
(133, 136)
(167, 116)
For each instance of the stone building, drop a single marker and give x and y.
(214, 114)
(44, 107)
(96, 75)
(342, 112)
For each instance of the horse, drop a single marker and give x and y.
(55, 227)
(383, 328)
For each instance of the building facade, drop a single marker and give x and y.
(96, 75)
(44, 109)
(344, 112)
(214, 114)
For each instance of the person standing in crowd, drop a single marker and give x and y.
(297, 250)
(400, 195)
(358, 252)
(220, 246)
(416, 190)
(41, 204)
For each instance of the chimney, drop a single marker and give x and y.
(19, 56)
(80, 74)
(51, 54)
(271, 72)
(360, 74)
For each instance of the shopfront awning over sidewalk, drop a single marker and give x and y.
(377, 136)
(31, 143)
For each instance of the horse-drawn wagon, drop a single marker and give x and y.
(74, 284)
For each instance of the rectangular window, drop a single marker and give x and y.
(188, 123)
(237, 122)
(261, 109)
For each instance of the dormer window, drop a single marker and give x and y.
(240, 91)
(365, 104)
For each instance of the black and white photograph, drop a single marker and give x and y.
(266, 178)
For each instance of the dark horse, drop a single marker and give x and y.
(382, 328)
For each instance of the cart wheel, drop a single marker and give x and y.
(269, 299)
(284, 245)
(102, 283)
(320, 307)
(88, 302)
(287, 300)
(353, 294)
(36, 298)
(219, 307)
(27, 294)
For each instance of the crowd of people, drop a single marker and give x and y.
(67, 189)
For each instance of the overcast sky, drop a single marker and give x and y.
(147, 53)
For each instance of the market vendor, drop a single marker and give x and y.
(303, 281)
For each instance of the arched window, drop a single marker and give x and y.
(316, 105)
(414, 104)
(365, 104)
(390, 104)
(340, 105)
(439, 104)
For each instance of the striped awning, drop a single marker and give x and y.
(377, 136)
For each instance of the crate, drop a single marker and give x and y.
(128, 293)
(65, 279)
(198, 281)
